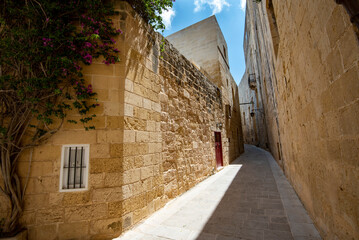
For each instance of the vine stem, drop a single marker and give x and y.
(28, 174)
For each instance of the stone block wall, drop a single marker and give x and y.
(154, 140)
(51, 214)
(204, 44)
(198, 43)
(318, 92)
(311, 83)
(251, 97)
(233, 143)
(191, 106)
(171, 113)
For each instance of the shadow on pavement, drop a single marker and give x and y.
(251, 207)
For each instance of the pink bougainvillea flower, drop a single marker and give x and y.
(89, 88)
(47, 42)
(77, 67)
(88, 58)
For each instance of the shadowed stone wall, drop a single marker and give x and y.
(308, 53)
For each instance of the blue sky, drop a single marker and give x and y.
(230, 15)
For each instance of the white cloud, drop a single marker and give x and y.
(167, 17)
(215, 5)
(243, 5)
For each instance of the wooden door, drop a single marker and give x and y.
(218, 146)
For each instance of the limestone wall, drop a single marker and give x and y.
(51, 214)
(204, 44)
(252, 94)
(191, 107)
(170, 114)
(154, 140)
(198, 43)
(233, 126)
(247, 98)
(309, 56)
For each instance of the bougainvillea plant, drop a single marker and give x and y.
(43, 46)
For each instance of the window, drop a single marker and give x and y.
(228, 111)
(223, 53)
(273, 26)
(252, 81)
(74, 167)
(234, 101)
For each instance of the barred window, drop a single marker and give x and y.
(74, 167)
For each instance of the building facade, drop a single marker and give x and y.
(161, 128)
(304, 56)
(204, 45)
(250, 92)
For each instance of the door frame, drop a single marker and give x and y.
(219, 151)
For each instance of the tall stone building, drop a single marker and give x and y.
(250, 93)
(162, 126)
(204, 45)
(302, 59)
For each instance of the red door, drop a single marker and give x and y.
(218, 145)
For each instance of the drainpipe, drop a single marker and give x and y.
(352, 7)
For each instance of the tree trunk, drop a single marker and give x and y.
(11, 189)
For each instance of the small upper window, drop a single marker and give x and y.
(229, 111)
(273, 26)
(74, 167)
(224, 52)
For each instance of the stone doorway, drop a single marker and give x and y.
(218, 146)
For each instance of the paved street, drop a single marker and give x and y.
(250, 199)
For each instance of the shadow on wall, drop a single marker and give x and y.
(234, 129)
(121, 184)
(139, 41)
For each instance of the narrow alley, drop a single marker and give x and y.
(250, 199)
(239, 121)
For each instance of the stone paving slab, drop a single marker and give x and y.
(249, 199)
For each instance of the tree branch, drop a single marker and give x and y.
(28, 174)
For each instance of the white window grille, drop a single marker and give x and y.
(74, 167)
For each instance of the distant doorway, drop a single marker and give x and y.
(218, 145)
